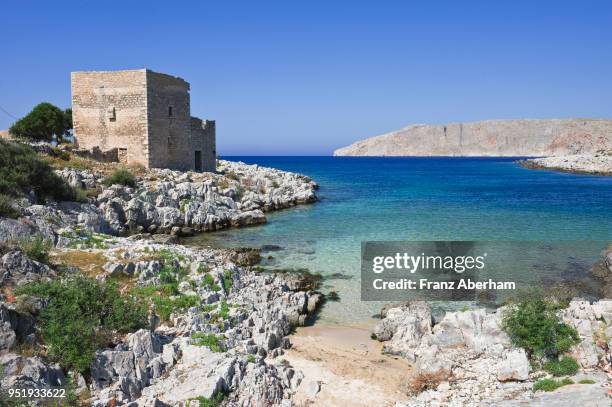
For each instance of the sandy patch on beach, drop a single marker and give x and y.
(350, 366)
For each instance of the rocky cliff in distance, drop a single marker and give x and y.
(510, 138)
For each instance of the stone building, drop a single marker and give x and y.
(141, 117)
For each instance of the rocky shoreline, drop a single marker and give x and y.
(593, 164)
(250, 314)
(473, 362)
(218, 326)
(220, 332)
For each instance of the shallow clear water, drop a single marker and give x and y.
(418, 199)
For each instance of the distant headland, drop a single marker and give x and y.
(509, 138)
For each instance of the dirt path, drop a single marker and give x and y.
(350, 366)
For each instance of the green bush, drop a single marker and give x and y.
(587, 381)
(228, 281)
(215, 401)
(80, 315)
(43, 122)
(6, 207)
(534, 326)
(121, 177)
(22, 171)
(81, 195)
(36, 248)
(209, 281)
(59, 153)
(224, 310)
(214, 342)
(164, 306)
(566, 366)
(551, 384)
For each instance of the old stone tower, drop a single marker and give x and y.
(141, 117)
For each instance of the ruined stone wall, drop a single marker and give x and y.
(109, 110)
(203, 139)
(169, 122)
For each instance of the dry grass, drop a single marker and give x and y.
(75, 161)
(83, 163)
(427, 381)
(89, 262)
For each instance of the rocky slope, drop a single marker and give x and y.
(225, 343)
(173, 201)
(490, 138)
(249, 314)
(473, 362)
(164, 202)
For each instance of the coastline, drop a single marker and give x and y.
(595, 164)
(250, 313)
(216, 325)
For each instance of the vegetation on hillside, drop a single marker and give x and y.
(22, 171)
(566, 366)
(43, 122)
(121, 176)
(533, 324)
(80, 316)
(36, 248)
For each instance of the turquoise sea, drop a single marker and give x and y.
(429, 198)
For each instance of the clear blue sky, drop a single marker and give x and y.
(303, 78)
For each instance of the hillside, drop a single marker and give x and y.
(553, 137)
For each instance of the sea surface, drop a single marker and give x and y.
(391, 199)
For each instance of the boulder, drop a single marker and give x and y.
(514, 366)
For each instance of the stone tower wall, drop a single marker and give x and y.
(109, 110)
(169, 122)
(203, 139)
(143, 116)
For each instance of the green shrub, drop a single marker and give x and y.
(81, 195)
(534, 326)
(59, 153)
(6, 207)
(165, 306)
(551, 384)
(251, 359)
(43, 122)
(214, 342)
(36, 248)
(587, 381)
(209, 281)
(121, 177)
(566, 366)
(80, 316)
(22, 171)
(215, 401)
(224, 310)
(228, 282)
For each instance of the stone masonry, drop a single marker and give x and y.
(144, 116)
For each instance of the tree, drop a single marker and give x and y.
(43, 122)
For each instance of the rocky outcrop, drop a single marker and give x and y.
(596, 164)
(490, 138)
(473, 357)
(166, 201)
(17, 268)
(163, 202)
(248, 314)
